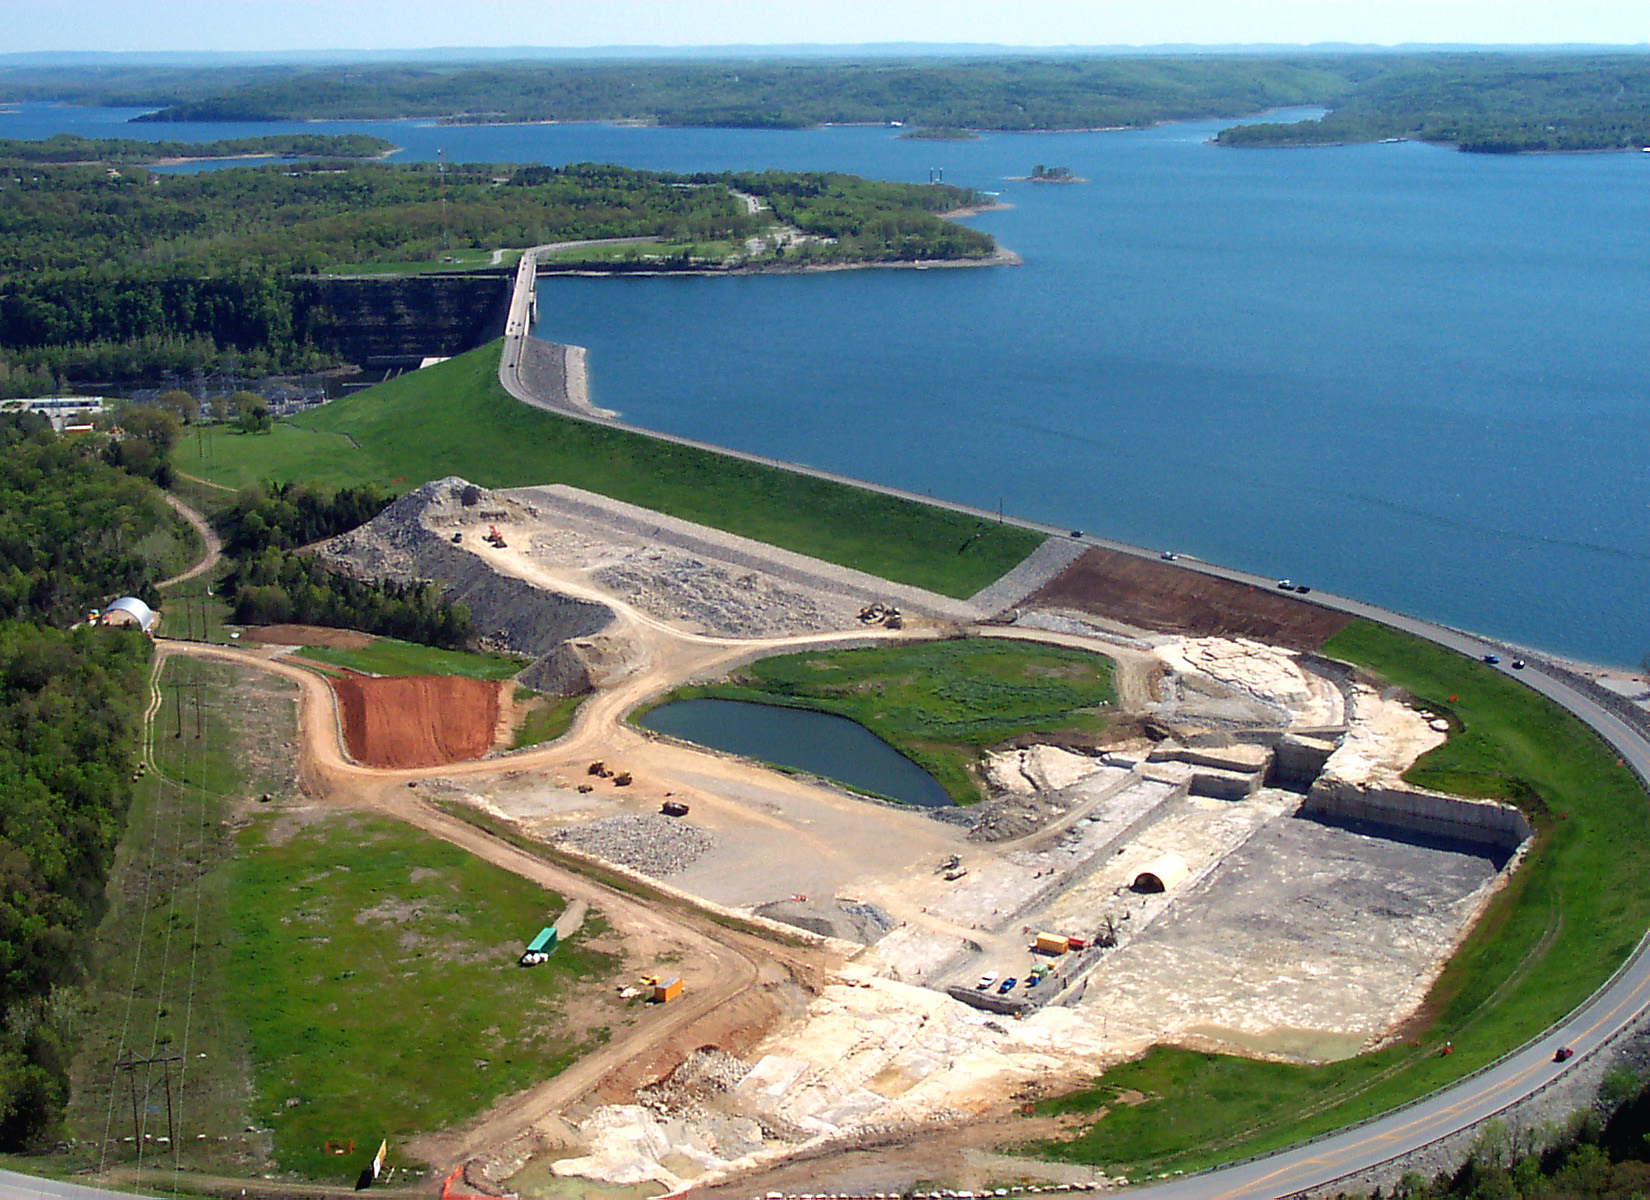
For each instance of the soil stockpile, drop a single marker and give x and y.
(307, 635)
(416, 720)
(1155, 595)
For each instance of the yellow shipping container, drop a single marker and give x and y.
(1051, 943)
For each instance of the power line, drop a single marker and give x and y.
(143, 917)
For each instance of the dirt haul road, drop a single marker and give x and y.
(720, 965)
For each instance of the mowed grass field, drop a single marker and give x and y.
(387, 656)
(375, 970)
(938, 703)
(455, 419)
(1569, 916)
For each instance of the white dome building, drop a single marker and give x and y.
(129, 610)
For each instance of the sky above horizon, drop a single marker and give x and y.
(252, 25)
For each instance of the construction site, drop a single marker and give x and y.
(1234, 864)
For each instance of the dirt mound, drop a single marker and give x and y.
(307, 635)
(1154, 595)
(416, 720)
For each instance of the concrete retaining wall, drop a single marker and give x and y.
(1298, 761)
(1430, 813)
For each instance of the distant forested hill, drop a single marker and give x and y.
(1487, 103)
(1006, 93)
(1500, 101)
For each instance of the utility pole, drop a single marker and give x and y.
(177, 691)
(130, 1064)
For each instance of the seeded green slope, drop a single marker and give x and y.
(1569, 916)
(387, 656)
(455, 419)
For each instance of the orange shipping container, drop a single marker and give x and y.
(667, 989)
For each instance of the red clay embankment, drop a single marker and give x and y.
(416, 720)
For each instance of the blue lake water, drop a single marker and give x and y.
(1399, 372)
(819, 743)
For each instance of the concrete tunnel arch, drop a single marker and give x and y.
(1162, 874)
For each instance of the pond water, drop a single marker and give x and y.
(818, 743)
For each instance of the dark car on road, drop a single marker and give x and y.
(1565, 1054)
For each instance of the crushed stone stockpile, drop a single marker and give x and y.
(402, 543)
(416, 720)
(646, 842)
(679, 587)
(676, 570)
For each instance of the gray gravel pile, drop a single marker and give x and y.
(625, 524)
(716, 1070)
(702, 1074)
(678, 587)
(405, 543)
(1011, 816)
(647, 842)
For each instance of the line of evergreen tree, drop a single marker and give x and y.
(76, 529)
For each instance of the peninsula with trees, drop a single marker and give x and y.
(110, 274)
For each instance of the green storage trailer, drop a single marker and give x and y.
(540, 948)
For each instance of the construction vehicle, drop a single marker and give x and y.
(878, 613)
(494, 537)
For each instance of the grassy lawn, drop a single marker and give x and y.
(1570, 915)
(938, 703)
(454, 419)
(376, 972)
(462, 260)
(707, 252)
(386, 656)
(287, 451)
(545, 719)
(321, 976)
(574, 255)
